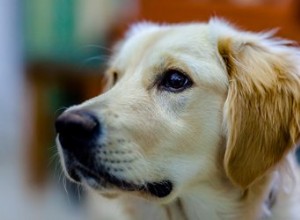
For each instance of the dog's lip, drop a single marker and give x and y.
(78, 173)
(103, 180)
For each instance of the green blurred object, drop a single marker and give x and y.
(50, 32)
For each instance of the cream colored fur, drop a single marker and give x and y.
(225, 143)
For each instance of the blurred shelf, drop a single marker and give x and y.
(53, 85)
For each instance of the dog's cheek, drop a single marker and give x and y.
(185, 173)
(172, 105)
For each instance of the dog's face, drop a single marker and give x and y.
(158, 129)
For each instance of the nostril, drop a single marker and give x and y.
(77, 133)
(82, 125)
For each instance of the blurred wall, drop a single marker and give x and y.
(11, 80)
(12, 109)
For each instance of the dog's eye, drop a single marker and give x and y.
(175, 81)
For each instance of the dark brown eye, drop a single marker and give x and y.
(175, 81)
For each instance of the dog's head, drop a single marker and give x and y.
(179, 98)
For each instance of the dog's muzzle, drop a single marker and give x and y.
(78, 134)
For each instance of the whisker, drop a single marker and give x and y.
(98, 47)
(102, 60)
(52, 148)
(66, 188)
(53, 158)
(99, 58)
(61, 173)
(59, 110)
(79, 192)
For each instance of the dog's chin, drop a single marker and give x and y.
(105, 183)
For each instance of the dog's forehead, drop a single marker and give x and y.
(155, 41)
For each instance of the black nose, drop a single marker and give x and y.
(78, 131)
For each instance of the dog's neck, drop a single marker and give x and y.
(262, 201)
(208, 202)
(203, 202)
(230, 204)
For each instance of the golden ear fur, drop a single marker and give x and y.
(262, 110)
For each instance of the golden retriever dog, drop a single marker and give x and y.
(199, 121)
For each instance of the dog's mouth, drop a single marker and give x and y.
(104, 180)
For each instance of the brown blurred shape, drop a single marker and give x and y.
(254, 15)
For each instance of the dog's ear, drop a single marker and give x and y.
(262, 109)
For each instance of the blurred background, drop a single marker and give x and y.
(53, 53)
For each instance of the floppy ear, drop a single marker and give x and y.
(262, 110)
